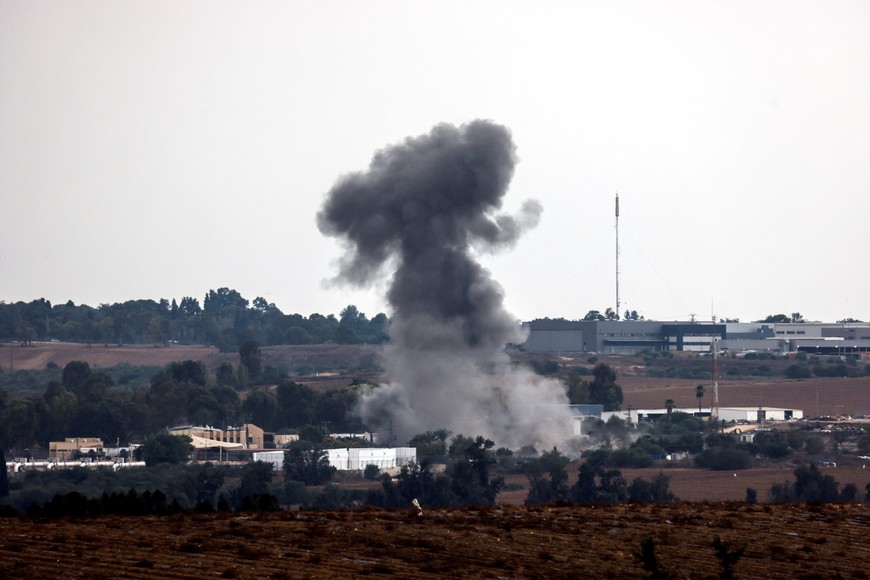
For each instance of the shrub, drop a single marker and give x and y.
(724, 458)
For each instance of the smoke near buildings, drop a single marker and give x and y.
(417, 216)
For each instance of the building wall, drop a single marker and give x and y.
(554, 336)
(282, 440)
(631, 337)
(64, 449)
(248, 435)
(754, 414)
(760, 345)
(356, 458)
(276, 458)
(604, 336)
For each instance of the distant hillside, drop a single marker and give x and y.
(311, 358)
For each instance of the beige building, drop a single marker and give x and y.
(64, 450)
(282, 440)
(248, 436)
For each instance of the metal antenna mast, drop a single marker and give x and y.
(617, 255)
(715, 348)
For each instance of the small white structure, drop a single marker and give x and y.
(276, 458)
(757, 414)
(356, 458)
(728, 414)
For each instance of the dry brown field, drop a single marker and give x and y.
(816, 397)
(701, 485)
(779, 541)
(38, 356)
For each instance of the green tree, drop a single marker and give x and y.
(470, 476)
(595, 485)
(297, 403)
(256, 477)
(371, 472)
(261, 407)
(310, 466)
(669, 405)
(431, 444)
(19, 424)
(594, 315)
(699, 394)
(167, 403)
(776, 318)
(216, 301)
(61, 412)
(189, 306)
(75, 373)
(603, 389)
(4, 476)
(658, 490)
(189, 371)
(226, 375)
(251, 358)
(798, 371)
(548, 478)
(811, 485)
(166, 448)
(724, 458)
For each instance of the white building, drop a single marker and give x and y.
(728, 414)
(276, 458)
(757, 414)
(356, 459)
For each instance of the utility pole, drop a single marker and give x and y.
(617, 255)
(715, 351)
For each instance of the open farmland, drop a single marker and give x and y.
(39, 355)
(334, 366)
(505, 541)
(779, 541)
(702, 485)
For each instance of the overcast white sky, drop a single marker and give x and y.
(160, 149)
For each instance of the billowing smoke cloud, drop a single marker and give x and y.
(421, 210)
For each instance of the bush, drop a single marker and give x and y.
(834, 370)
(798, 371)
(597, 457)
(810, 485)
(772, 444)
(658, 490)
(724, 459)
(295, 492)
(165, 448)
(371, 472)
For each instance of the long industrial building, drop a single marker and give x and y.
(633, 336)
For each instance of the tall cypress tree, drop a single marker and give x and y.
(4, 478)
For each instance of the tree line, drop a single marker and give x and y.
(224, 319)
(84, 401)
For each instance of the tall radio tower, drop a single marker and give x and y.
(714, 347)
(617, 255)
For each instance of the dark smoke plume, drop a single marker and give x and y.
(421, 210)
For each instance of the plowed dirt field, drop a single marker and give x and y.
(779, 541)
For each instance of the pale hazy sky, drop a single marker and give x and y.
(160, 149)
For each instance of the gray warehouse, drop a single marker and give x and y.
(633, 336)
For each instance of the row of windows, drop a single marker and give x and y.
(791, 332)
